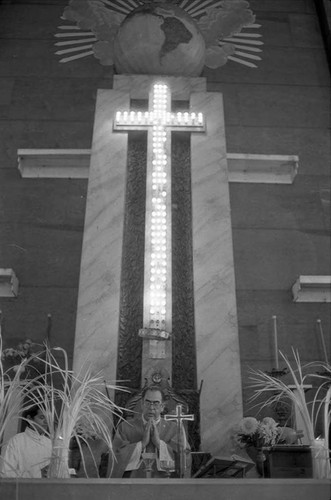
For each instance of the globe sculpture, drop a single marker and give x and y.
(160, 37)
(159, 40)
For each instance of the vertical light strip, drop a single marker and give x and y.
(159, 122)
(159, 293)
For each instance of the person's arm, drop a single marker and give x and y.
(127, 446)
(10, 460)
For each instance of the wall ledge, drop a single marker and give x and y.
(265, 169)
(74, 164)
(312, 289)
(8, 283)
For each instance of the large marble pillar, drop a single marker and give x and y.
(217, 343)
(97, 321)
(218, 361)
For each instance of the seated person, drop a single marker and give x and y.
(149, 433)
(28, 453)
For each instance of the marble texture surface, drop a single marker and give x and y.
(139, 85)
(217, 343)
(218, 360)
(97, 321)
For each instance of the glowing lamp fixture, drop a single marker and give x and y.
(159, 121)
(159, 216)
(177, 121)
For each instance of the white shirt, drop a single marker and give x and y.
(25, 455)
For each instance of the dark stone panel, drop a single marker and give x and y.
(42, 202)
(311, 145)
(37, 59)
(296, 327)
(33, 3)
(19, 134)
(256, 307)
(305, 30)
(132, 278)
(26, 316)
(301, 206)
(285, 106)
(325, 196)
(296, 6)
(53, 99)
(278, 65)
(276, 106)
(42, 255)
(257, 343)
(284, 29)
(6, 91)
(273, 259)
(184, 354)
(184, 357)
(31, 22)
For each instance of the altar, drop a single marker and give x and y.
(165, 489)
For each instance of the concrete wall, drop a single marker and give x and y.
(279, 231)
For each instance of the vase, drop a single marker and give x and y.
(258, 457)
(59, 464)
(321, 459)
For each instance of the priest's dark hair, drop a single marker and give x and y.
(152, 388)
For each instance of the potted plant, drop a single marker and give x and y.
(76, 406)
(273, 390)
(14, 391)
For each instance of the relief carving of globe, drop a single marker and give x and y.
(159, 39)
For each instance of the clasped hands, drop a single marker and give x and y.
(151, 434)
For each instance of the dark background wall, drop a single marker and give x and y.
(280, 231)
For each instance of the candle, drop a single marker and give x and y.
(276, 341)
(48, 331)
(319, 322)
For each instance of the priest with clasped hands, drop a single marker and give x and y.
(148, 433)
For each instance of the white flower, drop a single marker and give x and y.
(248, 426)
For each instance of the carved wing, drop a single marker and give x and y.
(226, 21)
(100, 24)
(220, 27)
(93, 15)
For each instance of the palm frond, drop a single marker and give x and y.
(14, 391)
(272, 390)
(73, 403)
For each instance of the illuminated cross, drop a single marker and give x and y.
(179, 417)
(159, 121)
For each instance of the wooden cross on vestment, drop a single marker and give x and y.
(159, 121)
(179, 417)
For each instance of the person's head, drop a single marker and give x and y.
(152, 402)
(36, 419)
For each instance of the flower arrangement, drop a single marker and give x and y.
(252, 432)
(17, 357)
(272, 390)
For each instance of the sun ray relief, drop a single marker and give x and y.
(227, 36)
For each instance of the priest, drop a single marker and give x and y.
(149, 442)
